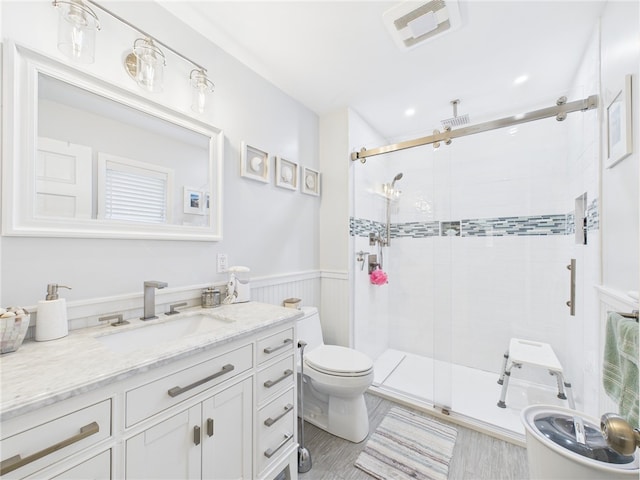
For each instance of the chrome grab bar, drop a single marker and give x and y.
(270, 421)
(271, 383)
(285, 343)
(270, 452)
(572, 301)
(15, 462)
(175, 391)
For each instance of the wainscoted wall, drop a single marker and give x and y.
(272, 289)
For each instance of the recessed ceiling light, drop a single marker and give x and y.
(410, 112)
(521, 79)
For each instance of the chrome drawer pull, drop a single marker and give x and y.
(196, 435)
(15, 462)
(270, 421)
(286, 343)
(271, 383)
(270, 452)
(175, 391)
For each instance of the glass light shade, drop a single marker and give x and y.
(202, 87)
(149, 65)
(77, 25)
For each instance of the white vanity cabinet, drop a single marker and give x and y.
(221, 410)
(211, 440)
(196, 421)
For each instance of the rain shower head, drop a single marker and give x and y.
(455, 121)
(396, 178)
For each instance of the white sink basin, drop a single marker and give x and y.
(167, 330)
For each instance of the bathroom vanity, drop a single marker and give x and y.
(214, 398)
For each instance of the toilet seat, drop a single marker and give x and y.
(339, 361)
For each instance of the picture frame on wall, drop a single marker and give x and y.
(286, 174)
(619, 125)
(254, 163)
(194, 201)
(310, 181)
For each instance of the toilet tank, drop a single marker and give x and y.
(309, 328)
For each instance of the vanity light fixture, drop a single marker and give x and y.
(77, 25)
(202, 86)
(146, 64)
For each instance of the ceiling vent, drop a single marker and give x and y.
(412, 23)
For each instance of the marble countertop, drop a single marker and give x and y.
(43, 373)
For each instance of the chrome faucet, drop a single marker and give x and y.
(150, 298)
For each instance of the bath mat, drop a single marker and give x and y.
(407, 445)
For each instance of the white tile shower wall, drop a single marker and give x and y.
(580, 356)
(371, 318)
(465, 297)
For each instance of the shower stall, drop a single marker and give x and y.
(479, 233)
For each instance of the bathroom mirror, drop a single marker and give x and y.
(84, 158)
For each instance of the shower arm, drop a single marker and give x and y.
(560, 111)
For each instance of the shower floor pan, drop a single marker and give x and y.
(474, 393)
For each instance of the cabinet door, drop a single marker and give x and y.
(227, 433)
(169, 450)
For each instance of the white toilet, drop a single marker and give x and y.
(334, 384)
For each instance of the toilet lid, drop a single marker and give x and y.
(336, 360)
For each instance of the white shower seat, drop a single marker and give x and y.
(537, 354)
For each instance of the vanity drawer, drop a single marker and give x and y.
(274, 441)
(149, 399)
(31, 450)
(275, 378)
(273, 345)
(275, 414)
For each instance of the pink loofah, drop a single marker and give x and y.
(378, 277)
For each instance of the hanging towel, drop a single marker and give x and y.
(620, 369)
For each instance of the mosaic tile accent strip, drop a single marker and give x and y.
(535, 225)
(415, 229)
(361, 227)
(515, 226)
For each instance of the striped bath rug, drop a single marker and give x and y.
(407, 445)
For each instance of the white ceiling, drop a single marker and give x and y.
(333, 54)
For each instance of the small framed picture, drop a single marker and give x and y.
(254, 163)
(310, 181)
(194, 201)
(286, 174)
(619, 128)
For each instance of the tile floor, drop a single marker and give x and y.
(475, 457)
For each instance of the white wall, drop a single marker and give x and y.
(271, 230)
(621, 206)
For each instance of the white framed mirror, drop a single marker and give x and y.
(84, 158)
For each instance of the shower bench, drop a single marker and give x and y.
(537, 354)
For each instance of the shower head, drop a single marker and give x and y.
(396, 178)
(455, 121)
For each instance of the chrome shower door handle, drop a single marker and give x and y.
(572, 300)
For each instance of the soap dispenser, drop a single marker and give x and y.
(52, 315)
